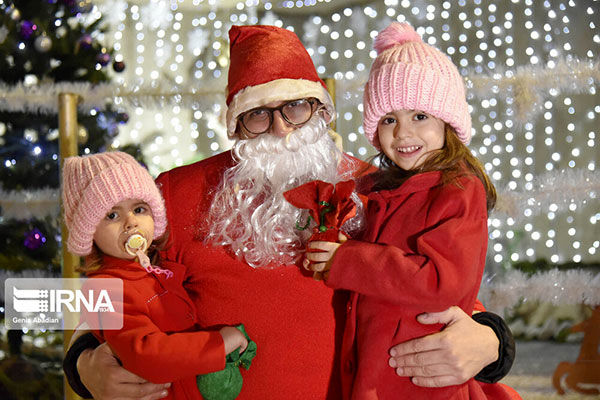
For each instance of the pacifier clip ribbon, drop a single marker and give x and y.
(137, 245)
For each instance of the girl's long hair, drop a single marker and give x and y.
(452, 159)
(93, 261)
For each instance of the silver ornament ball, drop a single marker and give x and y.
(61, 31)
(15, 15)
(43, 44)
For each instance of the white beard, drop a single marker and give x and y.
(249, 214)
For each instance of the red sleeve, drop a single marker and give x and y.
(160, 357)
(162, 181)
(478, 306)
(448, 264)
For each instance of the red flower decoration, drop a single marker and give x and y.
(329, 206)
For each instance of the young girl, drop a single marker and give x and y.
(113, 210)
(426, 238)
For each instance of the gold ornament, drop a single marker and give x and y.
(15, 15)
(43, 44)
(82, 135)
(85, 6)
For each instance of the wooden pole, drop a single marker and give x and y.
(330, 82)
(67, 126)
(337, 138)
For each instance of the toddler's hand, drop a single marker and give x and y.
(233, 338)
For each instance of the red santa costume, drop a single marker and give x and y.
(292, 318)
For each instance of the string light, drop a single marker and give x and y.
(169, 43)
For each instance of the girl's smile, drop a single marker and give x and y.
(409, 150)
(407, 136)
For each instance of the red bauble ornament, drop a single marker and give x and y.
(118, 66)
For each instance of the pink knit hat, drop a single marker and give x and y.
(409, 74)
(93, 184)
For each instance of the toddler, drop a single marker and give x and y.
(116, 218)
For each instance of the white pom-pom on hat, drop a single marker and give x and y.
(395, 34)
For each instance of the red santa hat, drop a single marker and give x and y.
(269, 64)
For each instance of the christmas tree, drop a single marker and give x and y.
(42, 43)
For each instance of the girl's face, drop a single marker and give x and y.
(407, 136)
(124, 219)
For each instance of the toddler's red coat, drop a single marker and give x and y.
(154, 308)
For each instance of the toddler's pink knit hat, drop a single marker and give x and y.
(93, 184)
(412, 75)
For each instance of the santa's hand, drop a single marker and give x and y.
(449, 357)
(106, 379)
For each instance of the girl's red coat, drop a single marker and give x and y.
(423, 251)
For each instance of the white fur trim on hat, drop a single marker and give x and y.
(277, 90)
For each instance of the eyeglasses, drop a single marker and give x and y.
(294, 112)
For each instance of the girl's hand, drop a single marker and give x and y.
(320, 261)
(233, 339)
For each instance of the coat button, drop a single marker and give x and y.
(349, 307)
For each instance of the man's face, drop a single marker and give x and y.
(271, 117)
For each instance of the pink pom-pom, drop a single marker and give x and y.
(395, 34)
